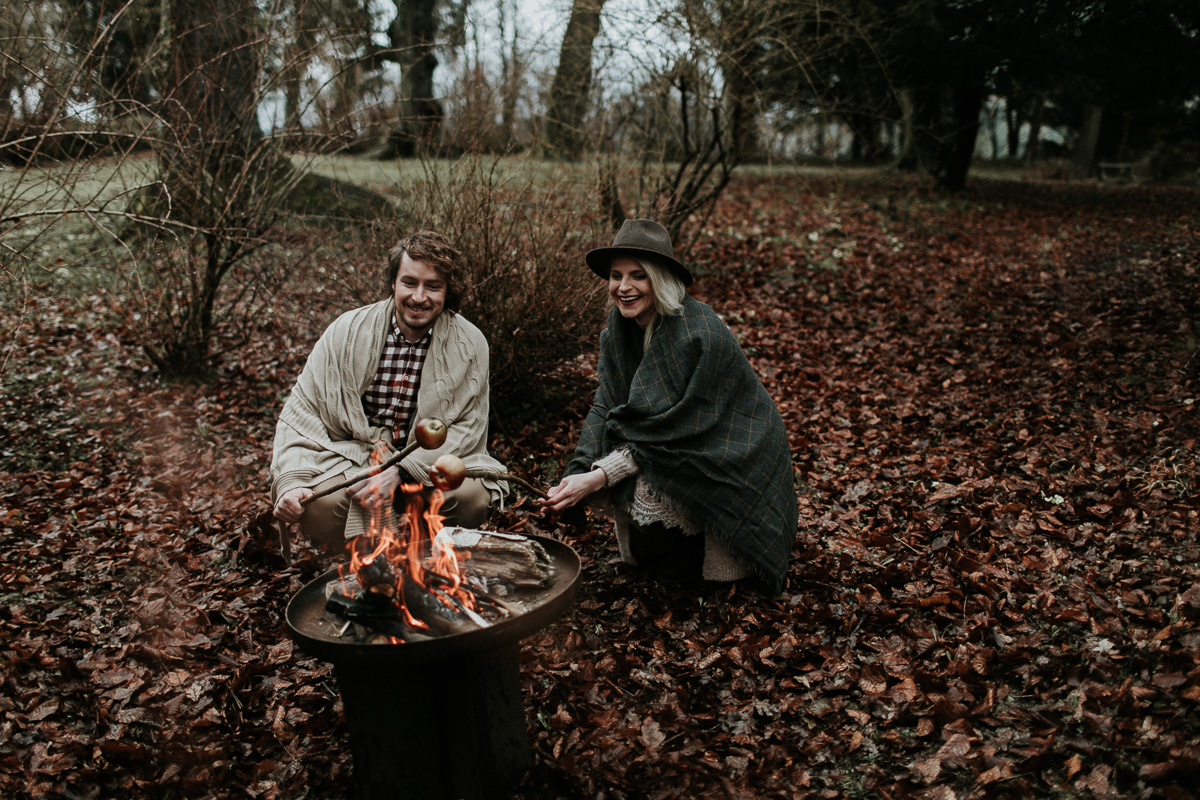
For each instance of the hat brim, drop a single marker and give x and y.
(600, 260)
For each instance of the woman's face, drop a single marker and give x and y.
(630, 288)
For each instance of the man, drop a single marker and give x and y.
(374, 372)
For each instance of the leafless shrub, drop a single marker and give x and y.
(188, 235)
(474, 124)
(524, 236)
(674, 124)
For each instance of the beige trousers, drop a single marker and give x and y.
(324, 519)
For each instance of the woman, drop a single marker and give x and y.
(688, 444)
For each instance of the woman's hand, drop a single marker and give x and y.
(288, 507)
(573, 488)
(375, 492)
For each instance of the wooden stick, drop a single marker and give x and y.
(368, 473)
(285, 542)
(491, 474)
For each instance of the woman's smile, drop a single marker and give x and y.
(629, 286)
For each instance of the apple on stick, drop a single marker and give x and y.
(430, 433)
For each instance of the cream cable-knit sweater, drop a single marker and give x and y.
(323, 430)
(646, 508)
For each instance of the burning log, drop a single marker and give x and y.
(366, 608)
(375, 611)
(488, 601)
(497, 558)
(410, 580)
(440, 615)
(377, 576)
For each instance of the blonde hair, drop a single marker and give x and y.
(669, 290)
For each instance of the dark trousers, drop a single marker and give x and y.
(655, 546)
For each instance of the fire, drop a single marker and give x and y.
(409, 554)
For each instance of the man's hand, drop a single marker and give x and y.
(573, 488)
(376, 492)
(288, 508)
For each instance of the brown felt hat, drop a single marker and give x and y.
(639, 238)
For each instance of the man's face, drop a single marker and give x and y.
(420, 297)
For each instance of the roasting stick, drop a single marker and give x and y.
(285, 543)
(367, 473)
(491, 474)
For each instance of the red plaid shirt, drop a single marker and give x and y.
(391, 399)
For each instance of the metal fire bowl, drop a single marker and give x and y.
(315, 629)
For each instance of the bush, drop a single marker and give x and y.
(524, 237)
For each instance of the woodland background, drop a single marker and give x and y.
(956, 239)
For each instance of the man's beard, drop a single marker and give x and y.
(414, 320)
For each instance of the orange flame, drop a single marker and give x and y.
(413, 550)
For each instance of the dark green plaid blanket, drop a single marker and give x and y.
(705, 433)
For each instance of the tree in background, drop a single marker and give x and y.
(823, 63)
(118, 38)
(218, 176)
(571, 90)
(220, 185)
(413, 34)
(668, 159)
(1129, 67)
(737, 31)
(939, 55)
(946, 56)
(221, 181)
(484, 107)
(41, 85)
(513, 68)
(323, 61)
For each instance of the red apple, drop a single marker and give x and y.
(431, 433)
(448, 472)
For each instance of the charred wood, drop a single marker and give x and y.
(364, 607)
(378, 577)
(488, 600)
(441, 618)
(494, 557)
(378, 614)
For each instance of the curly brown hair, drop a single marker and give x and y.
(434, 250)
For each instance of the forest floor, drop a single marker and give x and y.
(991, 401)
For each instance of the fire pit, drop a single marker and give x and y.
(439, 717)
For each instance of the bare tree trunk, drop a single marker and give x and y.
(968, 101)
(572, 84)
(413, 34)
(924, 147)
(739, 67)
(1012, 127)
(1033, 145)
(1084, 161)
(865, 144)
(295, 65)
(511, 73)
(1122, 145)
(993, 118)
(908, 159)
